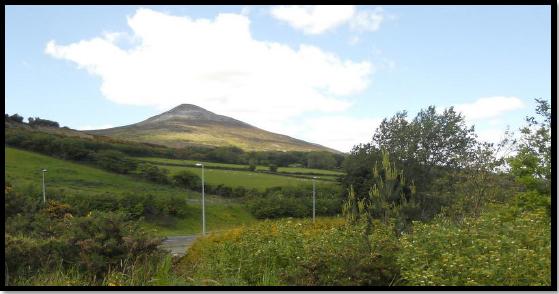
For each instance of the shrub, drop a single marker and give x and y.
(187, 180)
(252, 167)
(153, 173)
(505, 246)
(293, 252)
(115, 161)
(16, 117)
(294, 201)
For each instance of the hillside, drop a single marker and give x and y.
(188, 124)
(22, 169)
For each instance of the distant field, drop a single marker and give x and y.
(23, 168)
(228, 165)
(233, 178)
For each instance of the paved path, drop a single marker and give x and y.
(178, 245)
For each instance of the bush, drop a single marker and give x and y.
(115, 161)
(293, 252)
(188, 180)
(42, 122)
(16, 117)
(93, 243)
(273, 168)
(153, 173)
(294, 201)
(505, 246)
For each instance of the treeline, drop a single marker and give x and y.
(37, 121)
(235, 155)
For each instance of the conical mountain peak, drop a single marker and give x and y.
(189, 113)
(191, 125)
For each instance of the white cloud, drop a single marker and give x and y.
(216, 64)
(489, 107)
(317, 19)
(314, 19)
(339, 132)
(367, 20)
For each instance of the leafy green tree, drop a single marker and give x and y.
(153, 173)
(428, 146)
(273, 168)
(187, 180)
(532, 164)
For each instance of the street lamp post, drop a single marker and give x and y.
(44, 194)
(313, 198)
(203, 202)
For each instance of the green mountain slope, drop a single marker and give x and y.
(187, 125)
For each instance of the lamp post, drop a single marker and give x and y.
(44, 194)
(203, 201)
(313, 198)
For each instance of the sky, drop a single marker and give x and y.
(324, 74)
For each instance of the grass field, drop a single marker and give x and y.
(228, 165)
(23, 168)
(234, 178)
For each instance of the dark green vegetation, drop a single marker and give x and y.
(424, 203)
(188, 125)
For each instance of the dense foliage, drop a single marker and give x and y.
(41, 237)
(504, 246)
(295, 201)
(293, 252)
(437, 152)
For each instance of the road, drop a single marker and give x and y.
(178, 245)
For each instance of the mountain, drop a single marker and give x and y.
(187, 125)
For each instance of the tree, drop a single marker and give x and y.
(324, 160)
(17, 118)
(390, 196)
(153, 173)
(357, 166)
(42, 122)
(252, 164)
(187, 180)
(431, 144)
(115, 161)
(273, 168)
(532, 164)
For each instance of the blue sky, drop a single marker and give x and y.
(319, 74)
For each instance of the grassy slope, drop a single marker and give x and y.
(22, 168)
(229, 165)
(233, 178)
(250, 139)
